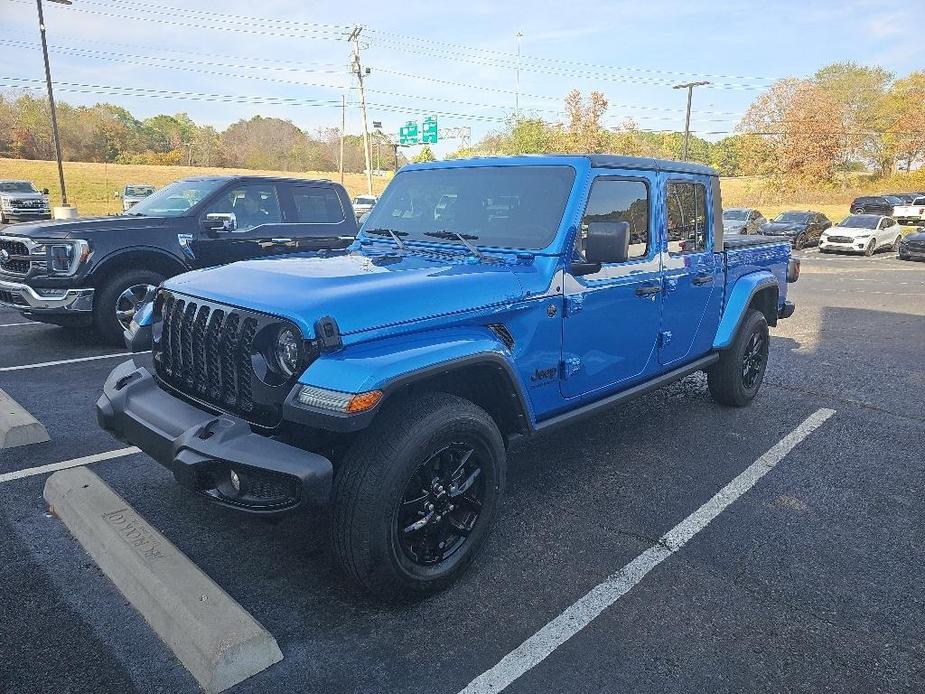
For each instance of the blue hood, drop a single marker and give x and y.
(361, 292)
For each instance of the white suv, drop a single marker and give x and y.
(861, 233)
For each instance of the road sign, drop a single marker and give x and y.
(429, 130)
(408, 133)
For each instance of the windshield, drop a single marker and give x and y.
(138, 191)
(792, 217)
(893, 200)
(174, 200)
(505, 206)
(735, 215)
(860, 221)
(919, 201)
(17, 187)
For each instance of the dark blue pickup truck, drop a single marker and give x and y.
(483, 301)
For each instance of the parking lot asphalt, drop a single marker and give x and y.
(810, 581)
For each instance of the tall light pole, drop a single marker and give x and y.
(51, 98)
(519, 35)
(689, 86)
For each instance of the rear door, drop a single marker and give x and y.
(693, 272)
(258, 220)
(611, 318)
(318, 215)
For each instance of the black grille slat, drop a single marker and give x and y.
(229, 361)
(248, 331)
(210, 353)
(213, 355)
(200, 380)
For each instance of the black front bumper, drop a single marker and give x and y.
(202, 449)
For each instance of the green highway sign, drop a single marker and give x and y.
(408, 133)
(429, 131)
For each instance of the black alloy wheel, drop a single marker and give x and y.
(441, 505)
(799, 242)
(754, 360)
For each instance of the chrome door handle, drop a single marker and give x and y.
(281, 240)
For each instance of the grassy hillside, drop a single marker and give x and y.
(90, 187)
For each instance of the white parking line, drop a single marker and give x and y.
(576, 617)
(66, 361)
(75, 462)
(14, 325)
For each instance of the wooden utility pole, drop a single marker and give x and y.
(689, 86)
(343, 127)
(357, 69)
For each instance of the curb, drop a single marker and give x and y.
(17, 426)
(213, 636)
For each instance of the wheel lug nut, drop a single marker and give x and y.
(430, 507)
(452, 507)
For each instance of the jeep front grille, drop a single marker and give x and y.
(205, 351)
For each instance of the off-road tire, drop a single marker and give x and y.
(725, 378)
(371, 481)
(104, 301)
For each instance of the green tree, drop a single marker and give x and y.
(424, 155)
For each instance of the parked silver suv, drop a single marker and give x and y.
(20, 201)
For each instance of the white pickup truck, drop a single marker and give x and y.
(911, 215)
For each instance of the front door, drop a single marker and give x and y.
(257, 227)
(611, 316)
(693, 271)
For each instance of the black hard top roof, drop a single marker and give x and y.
(616, 161)
(256, 177)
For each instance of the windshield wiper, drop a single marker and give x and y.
(389, 232)
(464, 238)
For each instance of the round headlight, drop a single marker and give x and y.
(286, 350)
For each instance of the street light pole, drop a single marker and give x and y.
(51, 98)
(689, 86)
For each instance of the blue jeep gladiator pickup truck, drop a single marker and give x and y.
(484, 300)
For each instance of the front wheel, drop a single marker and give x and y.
(799, 242)
(871, 247)
(117, 300)
(416, 494)
(735, 379)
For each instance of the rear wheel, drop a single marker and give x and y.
(416, 494)
(736, 378)
(118, 299)
(897, 242)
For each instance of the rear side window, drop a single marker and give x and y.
(687, 217)
(317, 205)
(617, 200)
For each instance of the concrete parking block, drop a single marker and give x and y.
(17, 426)
(213, 636)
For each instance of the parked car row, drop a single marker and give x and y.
(896, 205)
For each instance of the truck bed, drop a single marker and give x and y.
(746, 254)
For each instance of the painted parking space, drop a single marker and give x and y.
(813, 567)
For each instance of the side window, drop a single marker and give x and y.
(687, 217)
(252, 204)
(618, 200)
(317, 205)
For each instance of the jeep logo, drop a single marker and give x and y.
(543, 374)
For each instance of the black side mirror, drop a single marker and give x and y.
(44, 191)
(607, 242)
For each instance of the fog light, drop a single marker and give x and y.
(235, 481)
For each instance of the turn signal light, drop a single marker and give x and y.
(364, 401)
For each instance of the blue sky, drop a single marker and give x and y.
(289, 58)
